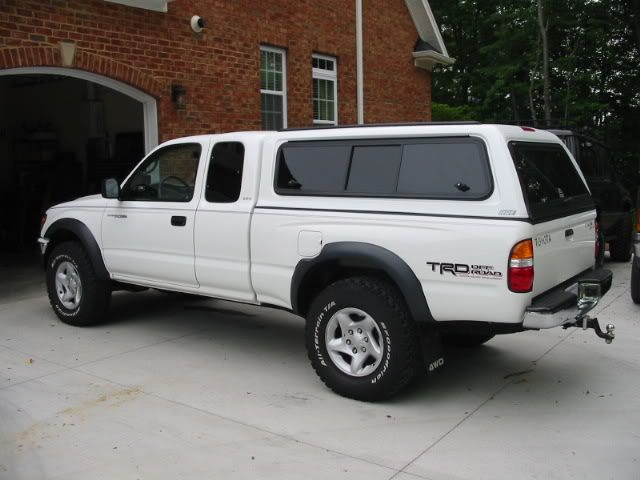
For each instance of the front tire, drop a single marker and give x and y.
(76, 294)
(361, 340)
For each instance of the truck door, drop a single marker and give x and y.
(223, 221)
(147, 234)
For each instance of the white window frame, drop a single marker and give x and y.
(321, 74)
(283, 93)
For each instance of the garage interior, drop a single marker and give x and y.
(59, 136)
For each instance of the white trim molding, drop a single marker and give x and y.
(283, 92)
(155, 5)
(429, 32)
(149, 107)
(427, 59)
(331, 76)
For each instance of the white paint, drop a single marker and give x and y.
(332, 76)
(150, 110)
(242, 252)
(426, 24)
(155, 5)
(359, 64)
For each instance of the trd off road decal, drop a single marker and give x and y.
(464, 270)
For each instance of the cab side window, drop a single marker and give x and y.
(169, 175)
(224, 179)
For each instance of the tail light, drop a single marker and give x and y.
(43, 220)
(520, 275)
(598, 243)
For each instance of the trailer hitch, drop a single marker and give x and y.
(588, 322)
(589, 295)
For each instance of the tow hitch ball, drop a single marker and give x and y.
(588, 322)
(588, 297)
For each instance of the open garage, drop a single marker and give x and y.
(61, 132)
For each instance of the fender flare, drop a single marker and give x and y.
(363, 255)
(80, 231)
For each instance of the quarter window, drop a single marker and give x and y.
(273, 88)
(168, 175)
(224, 179)
(325, 90)
(444, 168)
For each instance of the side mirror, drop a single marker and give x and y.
(110, 188)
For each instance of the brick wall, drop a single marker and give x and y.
(220, 67)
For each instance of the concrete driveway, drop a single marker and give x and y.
(173, 388)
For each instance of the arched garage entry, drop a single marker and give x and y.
(61, 131)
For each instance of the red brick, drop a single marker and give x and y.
(220, 67)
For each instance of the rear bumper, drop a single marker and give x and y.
(559, 306)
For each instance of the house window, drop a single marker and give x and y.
(325, 90)
(273, 88)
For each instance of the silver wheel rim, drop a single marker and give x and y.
(68, 285)
(354, 342)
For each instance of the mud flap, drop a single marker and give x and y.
(432, 350)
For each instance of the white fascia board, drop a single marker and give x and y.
(155, 5)
(426, 24)
(429, 58)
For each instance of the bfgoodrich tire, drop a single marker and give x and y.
(76, 294)
(361, 340)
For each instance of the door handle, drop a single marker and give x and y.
(568, 233)
(178, 221)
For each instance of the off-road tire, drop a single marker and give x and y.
(620, 248)
(96, 294)
(400, 355)
(635, 281)
(465, 340)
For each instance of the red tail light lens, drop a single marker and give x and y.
(598, 244)
(43, 220)
(520, 275)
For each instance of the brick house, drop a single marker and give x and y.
(86, 86)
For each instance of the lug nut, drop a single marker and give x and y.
(366, 339)
(355, 350)
(359, 330)
(364, 349)
(350, 332)
(348, 342)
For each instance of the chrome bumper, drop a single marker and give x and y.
(43, 242)
(570, 306)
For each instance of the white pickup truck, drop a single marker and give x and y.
(387, 239)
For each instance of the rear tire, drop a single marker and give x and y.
(77, 295)
(635, 281)
(361, 340)
(465, 340)
(620, 248)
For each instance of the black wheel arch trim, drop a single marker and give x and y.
(86, 238)
(369, 256)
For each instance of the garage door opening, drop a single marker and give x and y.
(60, 135)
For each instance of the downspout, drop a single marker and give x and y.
(359, 64)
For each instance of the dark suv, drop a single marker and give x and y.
(614, 204)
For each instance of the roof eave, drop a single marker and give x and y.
(428, 59)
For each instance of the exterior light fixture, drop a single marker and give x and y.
(179, 96)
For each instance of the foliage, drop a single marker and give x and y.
(594, 58)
